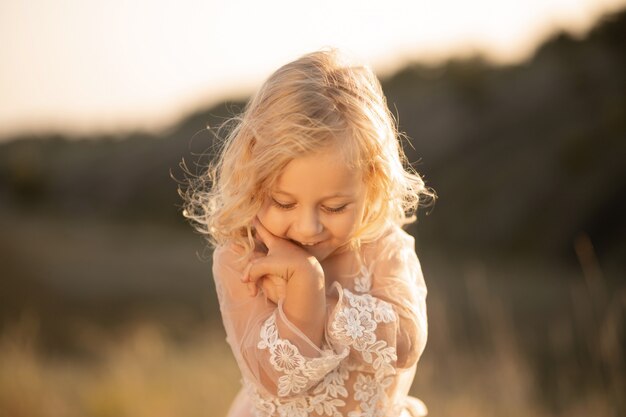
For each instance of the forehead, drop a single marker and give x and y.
(321, 174)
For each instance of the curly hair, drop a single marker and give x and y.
(315, 102)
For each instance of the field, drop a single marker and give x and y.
(107, 305)
(506, 337)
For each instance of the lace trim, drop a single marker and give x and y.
(354, 325)
(363, 281)
(371, 393)
(299, 372)
(286, 358)
(325, 400)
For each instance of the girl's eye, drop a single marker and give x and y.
(289, 206)
(283, 206)
(336, 209)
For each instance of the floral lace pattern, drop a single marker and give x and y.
(363, 281)
(373, 338)
(285, 357)
(354, 326)
(298, 373)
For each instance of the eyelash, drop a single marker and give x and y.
(333, 210)
(336, 210)
(283, 206)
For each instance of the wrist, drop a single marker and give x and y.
(305, 303)
(311, 272)
(307, 311)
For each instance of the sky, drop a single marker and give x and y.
(92, 66)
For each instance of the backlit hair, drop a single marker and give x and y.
(316, 102)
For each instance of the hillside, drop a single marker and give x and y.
(523, 157)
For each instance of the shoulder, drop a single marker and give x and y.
(393, 254)
(229, 257)
(392, 240)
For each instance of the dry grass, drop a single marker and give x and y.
(140, 371)
(504, 340)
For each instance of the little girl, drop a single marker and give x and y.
(320, 290)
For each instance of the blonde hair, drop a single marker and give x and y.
(315, 102)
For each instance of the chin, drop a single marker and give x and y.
(319, 254)
(324, 252)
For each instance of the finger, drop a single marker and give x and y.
(273, 288)
(264, 235)
(253, 256)
(253, 290)
(278, 287)
(251, 285)
(266, 266)
(266, 287)
(246, 273)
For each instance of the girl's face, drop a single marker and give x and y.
(317, 203)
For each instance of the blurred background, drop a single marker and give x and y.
(516, 117)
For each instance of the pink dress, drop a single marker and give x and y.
(375, 333)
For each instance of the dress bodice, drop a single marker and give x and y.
(375, 332)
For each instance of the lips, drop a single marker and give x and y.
(320, 249)
(306, 244)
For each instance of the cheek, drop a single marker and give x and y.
(272, 221)
(345, 226)
(356, 218)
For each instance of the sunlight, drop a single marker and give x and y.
(93, 66)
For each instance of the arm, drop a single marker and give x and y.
(304, 300)
(385, 327)
(272, 351)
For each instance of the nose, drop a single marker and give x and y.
(308, 225)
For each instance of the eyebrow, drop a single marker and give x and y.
(337, 195)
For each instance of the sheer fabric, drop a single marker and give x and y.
(375, 333)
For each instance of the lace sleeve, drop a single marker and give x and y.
(271, 351)
(385, 326)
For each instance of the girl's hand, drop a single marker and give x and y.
(274, 288)
(253, 287)
(283, 261)
(304, 301)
